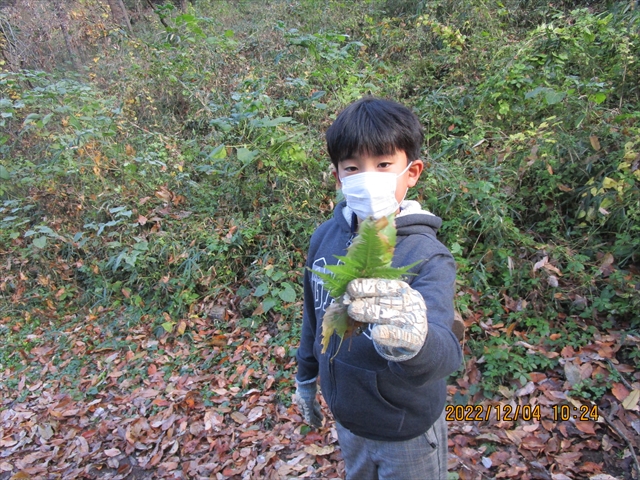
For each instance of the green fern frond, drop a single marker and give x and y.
(369, 256)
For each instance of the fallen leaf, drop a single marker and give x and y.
(619, 391)
(631, 402)
(317, 450)
(526, 390)
(45, 431)
(239, 417)
(560, 476)
(572, 373)
(21, 476)
(112, 452)
(586, 427)
(606, 265)
(541, 263)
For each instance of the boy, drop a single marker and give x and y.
(386, 388)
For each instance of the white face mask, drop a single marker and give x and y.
(372, 194)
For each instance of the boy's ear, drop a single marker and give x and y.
(334, 172)
(415, 169)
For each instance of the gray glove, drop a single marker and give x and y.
(397, 311)
(305, 399)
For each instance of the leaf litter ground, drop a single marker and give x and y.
(215, 403)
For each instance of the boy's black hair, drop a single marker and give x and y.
(374, 126)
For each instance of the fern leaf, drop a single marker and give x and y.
(369, 256)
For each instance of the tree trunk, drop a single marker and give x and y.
(183, 6)
(64, 28)
(8, 45)
(162, 20)
(119, 13)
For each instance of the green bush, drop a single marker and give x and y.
(189, 167)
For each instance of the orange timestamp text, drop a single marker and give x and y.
(478, 413)
(513, 413)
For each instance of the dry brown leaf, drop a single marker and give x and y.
(572, 373)
(541, 263)
(21, 476)
(239, 417)
(619, 391)
(586, 427)
(568, 459)
(318, 450)
(606, 264)
(631, 402)
(112, 452)
(528, 389)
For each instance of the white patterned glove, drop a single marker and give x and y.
(398, 312)
(305, 399)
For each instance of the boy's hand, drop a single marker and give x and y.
(398, 312)
(305, 399)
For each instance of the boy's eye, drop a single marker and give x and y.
(350, 169)
(384, 165)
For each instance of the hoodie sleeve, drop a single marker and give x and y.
(441, 354)
(307, 363)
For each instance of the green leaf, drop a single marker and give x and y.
(31, 118)
(268, 304)
(369, 256)
(245, 155)
(261, 290)
(272, 122)
(4, 173)
(219, 152)
(40, 242)
(141, 246)
(552, 97)
(287, 294)
(168, 326)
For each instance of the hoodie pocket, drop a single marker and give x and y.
(358, 404)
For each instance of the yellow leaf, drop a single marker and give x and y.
(595, 143)
(21, 476)
(182, 326)
(631, 402)
(609, 183)
(335, 320)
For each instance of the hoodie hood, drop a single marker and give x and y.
(411, 219)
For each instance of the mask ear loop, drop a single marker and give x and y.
(407, 191)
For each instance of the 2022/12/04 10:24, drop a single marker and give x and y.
(526, 413)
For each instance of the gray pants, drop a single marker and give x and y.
(421, 458)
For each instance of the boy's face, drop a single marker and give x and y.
(395, 163)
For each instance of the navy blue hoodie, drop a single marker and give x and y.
(370, 396)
